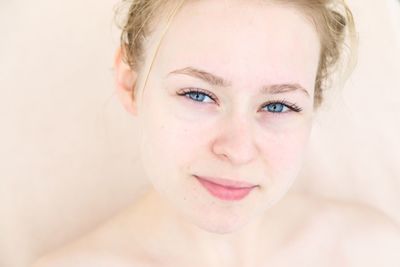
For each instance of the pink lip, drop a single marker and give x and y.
(226, 189)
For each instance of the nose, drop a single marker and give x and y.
(235, 141)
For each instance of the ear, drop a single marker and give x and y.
(125, 81)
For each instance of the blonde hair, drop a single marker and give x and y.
(333, 21)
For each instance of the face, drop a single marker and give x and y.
(255, 67)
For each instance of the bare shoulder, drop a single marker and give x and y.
(83, 258)
(363, 236)
(93, 250)
(112, 243)
(371, 237)
(89, 251)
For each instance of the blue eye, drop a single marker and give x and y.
(197, 96)
(277, 107)
(282, 106)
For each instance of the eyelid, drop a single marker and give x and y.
(291, 106)
(194, 90)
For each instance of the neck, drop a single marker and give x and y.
(238, 248)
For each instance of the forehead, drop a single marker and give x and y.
(243, 41)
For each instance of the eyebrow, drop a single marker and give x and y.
(221, 82)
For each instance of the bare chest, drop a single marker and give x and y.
(310, 248)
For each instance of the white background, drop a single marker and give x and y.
(68, 148)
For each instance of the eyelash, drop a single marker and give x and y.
(291, 106)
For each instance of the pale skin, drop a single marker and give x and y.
(236, 136)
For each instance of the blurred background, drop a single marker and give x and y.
(68, 150)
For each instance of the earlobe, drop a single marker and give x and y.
(125, 81)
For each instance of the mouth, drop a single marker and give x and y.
(226, 189)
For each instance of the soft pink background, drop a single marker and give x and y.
(68, 148)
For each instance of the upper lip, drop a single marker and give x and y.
(227, 182)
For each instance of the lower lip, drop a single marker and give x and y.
(225, 193)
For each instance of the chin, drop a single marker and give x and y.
(223, 224)
(221, 228)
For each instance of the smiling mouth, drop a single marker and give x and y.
(232, 184)
(226, 189)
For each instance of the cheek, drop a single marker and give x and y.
(174, 138)
(168, 145)
(283, 154)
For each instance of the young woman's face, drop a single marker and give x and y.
(264, 54)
